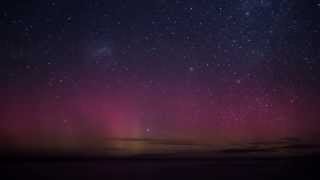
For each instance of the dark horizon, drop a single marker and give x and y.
(169, 149)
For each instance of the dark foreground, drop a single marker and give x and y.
(306, 167)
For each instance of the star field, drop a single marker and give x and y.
(209, 70)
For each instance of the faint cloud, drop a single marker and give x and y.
(104, 51)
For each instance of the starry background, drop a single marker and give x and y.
(210, 71)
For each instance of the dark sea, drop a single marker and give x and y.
(304, 167)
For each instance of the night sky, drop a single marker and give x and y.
(207, 71)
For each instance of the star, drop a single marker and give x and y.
(191, 69)
(238, 81)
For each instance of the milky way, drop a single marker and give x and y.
(208, 71)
